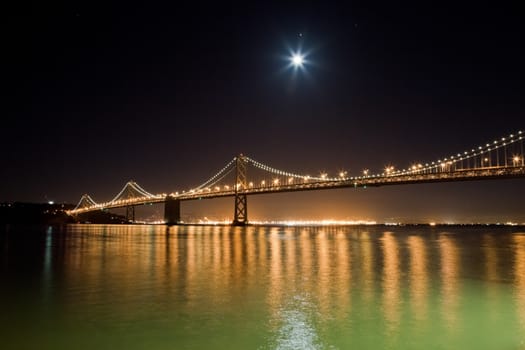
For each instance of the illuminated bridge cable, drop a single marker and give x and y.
(142, 191)
(481, 156)
(213, 179)
(85, 202)
(285, 173)
(476, 152)
(134, 186)
(211, 184)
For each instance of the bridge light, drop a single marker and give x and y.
(275, 182)
(290, 180)
(323, 176)
(250, 184)
(226, 187)
(342, 174)
(263, 183)
(516, 160)
(365, 172)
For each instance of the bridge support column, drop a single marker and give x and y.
(172, 211)
(241, 210)
(130, 213)
(240, 217)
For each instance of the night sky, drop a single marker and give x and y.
(99, 94)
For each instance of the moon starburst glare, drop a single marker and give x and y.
(297, 60)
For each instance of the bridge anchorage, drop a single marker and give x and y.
(503, 158)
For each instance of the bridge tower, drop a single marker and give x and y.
(241, 204)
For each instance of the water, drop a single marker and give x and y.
(149, 287)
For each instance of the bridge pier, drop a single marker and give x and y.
(241, 210)
(172, 211)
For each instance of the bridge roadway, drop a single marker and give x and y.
(486, 173)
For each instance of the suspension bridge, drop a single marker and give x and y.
(243, 176)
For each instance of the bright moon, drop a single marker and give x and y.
(297, 60)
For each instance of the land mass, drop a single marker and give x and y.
(52, 213)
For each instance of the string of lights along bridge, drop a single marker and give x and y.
(243, 176)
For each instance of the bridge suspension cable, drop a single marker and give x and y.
(132, 185)
(227, 169)
(286, 173)
(494, 154)
(85, 202)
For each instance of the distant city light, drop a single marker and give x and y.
(50, 202)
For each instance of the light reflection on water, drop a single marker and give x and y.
(202, 287)
(519, 273)
(418, 278)
(450, 266)
(391, 286)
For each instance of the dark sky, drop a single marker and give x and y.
(98, 94)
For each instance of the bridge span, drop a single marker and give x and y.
(244, 176)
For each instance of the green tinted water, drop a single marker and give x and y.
(152, 287)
